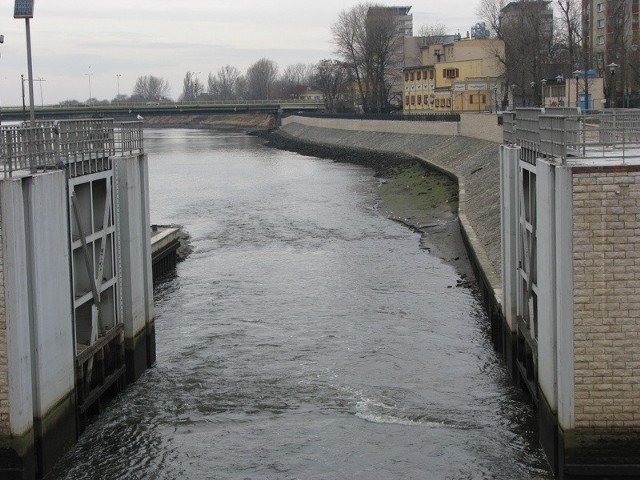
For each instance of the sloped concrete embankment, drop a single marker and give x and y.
(473, 162)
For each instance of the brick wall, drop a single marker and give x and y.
(606, 256)
(4, 373)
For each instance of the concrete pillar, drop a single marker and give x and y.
(52, 349)
(509, 158)
(16, 391)
(133, 226)
(39, 328)
(547, 315)
(564, 296)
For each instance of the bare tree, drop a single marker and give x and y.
(191, 88)
(570, 30)
(366, 38)
(224, 85)
(334, 79)
(526, 27)
(296, 79)
(489, 11)
(150, 88)
(433, 33)
(260, 79)
(349, 36)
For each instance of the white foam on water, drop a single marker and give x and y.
(378, 412)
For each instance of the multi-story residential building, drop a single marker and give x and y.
(611, 31)
(464, 75)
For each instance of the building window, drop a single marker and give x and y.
(406, 100)
(411, 74)
(450, 73)
(419, 99)
(483, 99)
(406, 76)
(413, 100)
(448, 102)
(601, 23)
(470, 99)
(418, 75)
(600, 40)
(600, 7)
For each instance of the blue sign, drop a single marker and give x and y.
(23, 9)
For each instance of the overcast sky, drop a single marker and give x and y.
(77, 42)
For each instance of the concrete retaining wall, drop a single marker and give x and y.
(483, 126)
(473, 162)
(133, 220)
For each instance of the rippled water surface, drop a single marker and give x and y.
(307, 337)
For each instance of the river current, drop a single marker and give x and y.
(306, 337)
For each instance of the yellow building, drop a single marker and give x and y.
(464, 75)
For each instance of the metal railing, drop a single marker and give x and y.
(80, 146)
(567, 134)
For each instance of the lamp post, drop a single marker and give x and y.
(89, 75)
(612, 90)
(543, 82)
(24, 9)
(118, 75)
(559, 80)
(576, 75)
(533, 90)
(40, 80)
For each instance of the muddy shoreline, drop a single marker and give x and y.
(411, 193)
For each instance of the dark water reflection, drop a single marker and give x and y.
(307, 337)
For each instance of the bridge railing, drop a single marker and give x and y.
(80, 146)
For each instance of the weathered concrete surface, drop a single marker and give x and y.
(473, 162)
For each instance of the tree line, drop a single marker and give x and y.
(263, 80)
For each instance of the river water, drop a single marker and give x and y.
(306, 337)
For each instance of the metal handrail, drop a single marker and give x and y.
(562, 134)
(57, 144)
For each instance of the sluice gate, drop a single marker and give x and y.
(76, 303)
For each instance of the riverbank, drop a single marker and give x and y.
(411, 193)
(242, 122)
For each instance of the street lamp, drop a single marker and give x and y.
(89, 75)
(543, 82)
(40, 80)
(533, 89)
(118, 75)
(576, 74)
(559, 80)
(24, 9)
(612, 90)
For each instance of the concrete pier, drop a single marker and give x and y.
(574, 181)
(165, 242)
(76, 305)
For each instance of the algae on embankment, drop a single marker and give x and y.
(417, 196)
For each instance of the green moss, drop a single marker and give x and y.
(418, 195)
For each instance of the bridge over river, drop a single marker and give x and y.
(126, 110)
